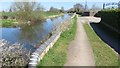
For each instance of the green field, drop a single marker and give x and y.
(58, 54)
(10, 22)
(47, 14)
(8, 14)
(104, 55)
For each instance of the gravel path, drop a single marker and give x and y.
(79, 51)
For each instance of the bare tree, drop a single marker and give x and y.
(52, 9)
(28, 11)
(10, 10)
(62, 9)
(78, 7)
(71, 10)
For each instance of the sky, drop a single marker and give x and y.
(67, 4)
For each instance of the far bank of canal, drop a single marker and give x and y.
(31, 36)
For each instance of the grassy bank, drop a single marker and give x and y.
(104, 56)
(58, 54)
(47, 14)
(8, 23)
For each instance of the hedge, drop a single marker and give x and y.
(6, 15)
(110, 17)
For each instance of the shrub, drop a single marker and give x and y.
(6, 15)
(28, 12)
(13, 54)
(8, 23)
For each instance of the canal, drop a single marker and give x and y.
(30, 36)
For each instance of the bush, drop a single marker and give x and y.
(8, 23)
(13, 54)
(6, 15)
(30, 13)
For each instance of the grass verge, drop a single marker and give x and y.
(48, 14)
(8, 23)
(104, 56)
(58, 54)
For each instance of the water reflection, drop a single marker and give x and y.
(33, 34)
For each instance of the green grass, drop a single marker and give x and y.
(47, 14)
(8, 23)
(104, 56)
(58, 54)
(11, 14)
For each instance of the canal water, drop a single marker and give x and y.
(32, 35)
(107, 35)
